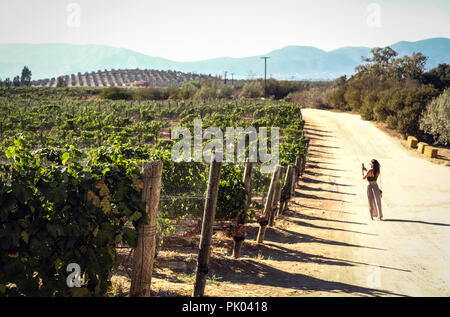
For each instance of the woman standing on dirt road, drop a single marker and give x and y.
(373, 192)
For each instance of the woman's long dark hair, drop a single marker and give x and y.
(376, 167)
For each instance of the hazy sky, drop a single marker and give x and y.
(198, 29)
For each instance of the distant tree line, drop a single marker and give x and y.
(213, 89)
(23, 80)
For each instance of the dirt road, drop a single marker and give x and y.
(406, 254)
(326, 244)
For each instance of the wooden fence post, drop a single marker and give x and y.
(293, 182)
(304, 157)
(207, 228)
(248, 180)
(238, 241)
(298, 168)
(287, 193)
(263, 224)
(303, 165)
(144, 254)
(276, 196)
(237, 246)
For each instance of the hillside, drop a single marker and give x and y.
(124, 78)
(291, 62)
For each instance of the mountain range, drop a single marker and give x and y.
(290, 62)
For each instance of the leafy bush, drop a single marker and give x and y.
(439, 77)
(188, 90)
(408, 104)
(277, 115)
(232, 196)
(290, 149)
(226, 92)
(208, 91)
(366, 112)
(183, 184)
(151, 94)
(391, 121)
(115, 93)
(54, 211)
(260, 181)
(335, 97)
(280, 89)
(436, 118)
(252, 89)
(353, 98)
(381, 109)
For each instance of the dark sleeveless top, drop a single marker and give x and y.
(372, 178)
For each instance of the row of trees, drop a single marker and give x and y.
(274, 88)
(394, 90)
(190, 90)
(17, 81)
(212, 89)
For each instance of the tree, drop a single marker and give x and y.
(340, 81)
(61, 82)
(436, 118)
(439, 77)
(187, 91)
(226, 92)
(7, 82)
(409, 67)
(209, 90)
(353, 98)
(16, 81)
(381, 56)
(25, 79)
(382, 66)
(252, 89)
(280, 89)
(379, 62)
(335, 97)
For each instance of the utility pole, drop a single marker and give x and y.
(225, 79)
(232, 82)
(265, 73)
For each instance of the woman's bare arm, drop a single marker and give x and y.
(369, 173)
